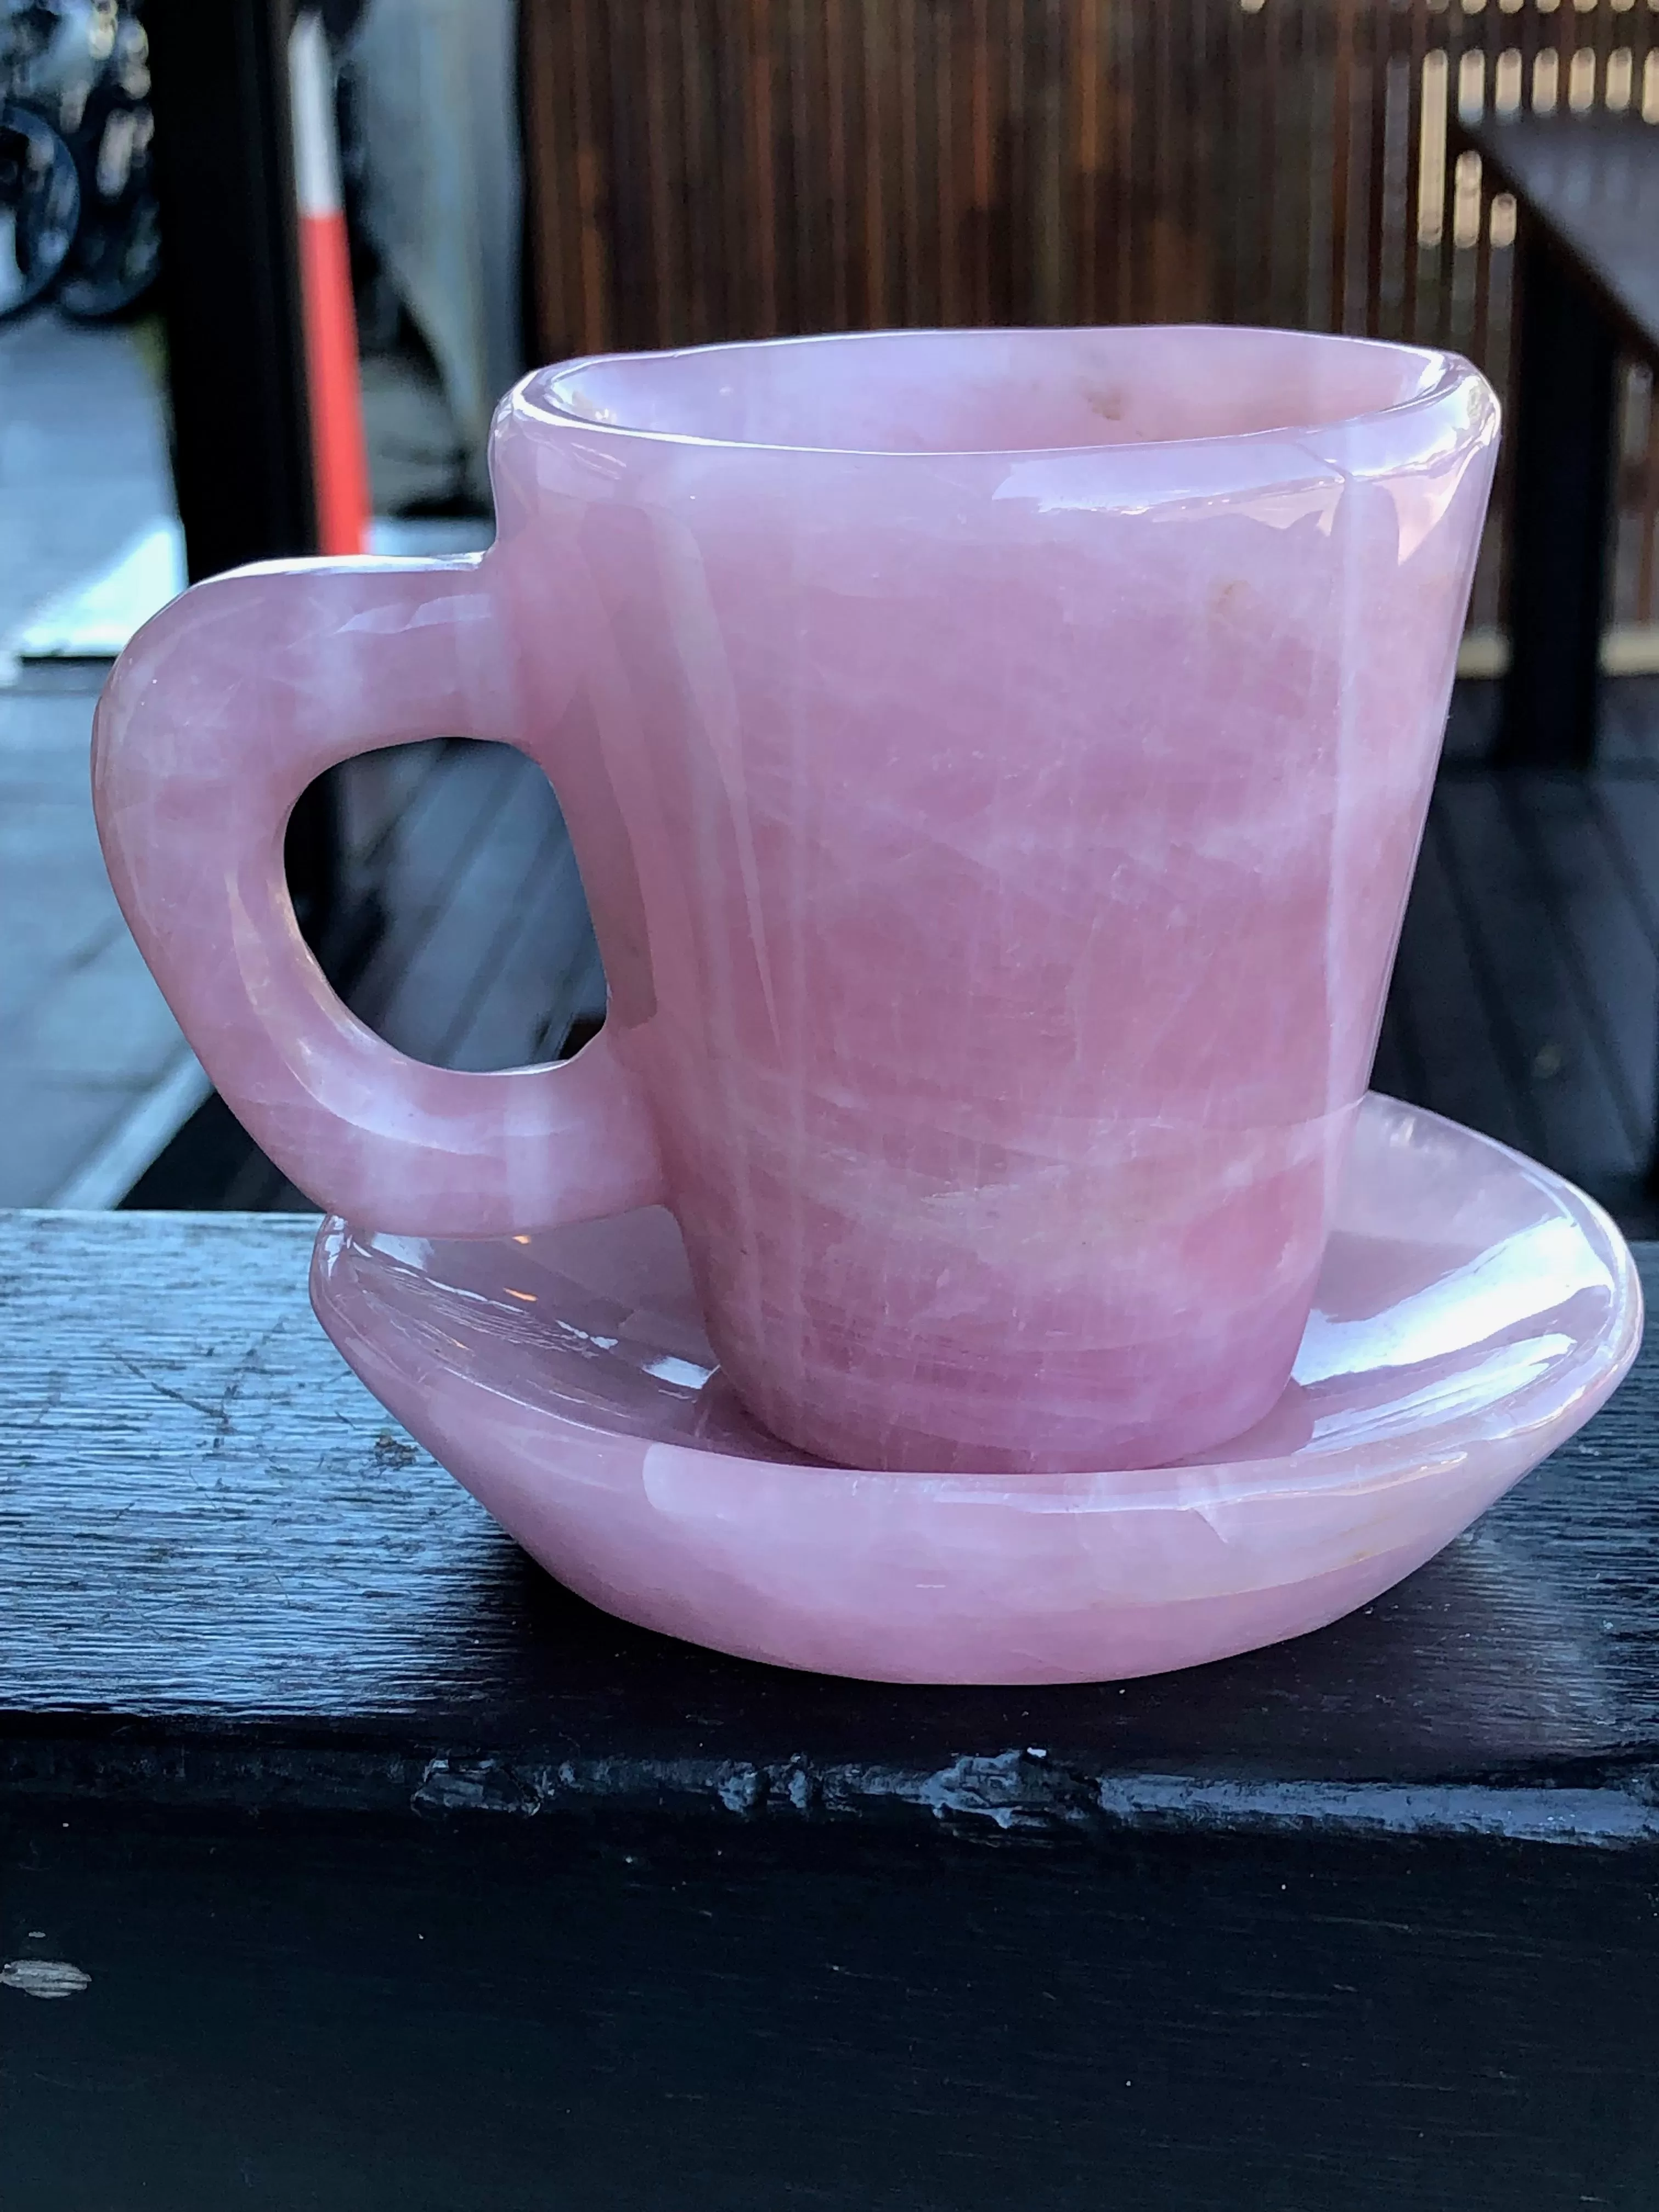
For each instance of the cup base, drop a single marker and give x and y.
(1213, 1411)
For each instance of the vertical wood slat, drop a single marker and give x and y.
(587, 79)
(877, 314)
(806, 304)
(1008, 76)
(1342, 91)
(1084, 69)
(760, 198)
(700, 319)
(542, 124)
(663, 310)
(925, 152)
(1376, 180)
(905, 231)
(1288, 299)
(1416, 306)
(981, 164)
(1052, 289)
(1160, 61)
(730, 249)
(950, 180)
(1121, 95)
(836, 179)
(1267, 151)
(1198, 181)
(1316, 161)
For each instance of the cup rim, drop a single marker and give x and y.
(1443, 372)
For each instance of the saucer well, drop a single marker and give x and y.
(1474, 1310)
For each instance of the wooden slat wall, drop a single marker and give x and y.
(701, 169)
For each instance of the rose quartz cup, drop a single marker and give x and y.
(996, 761)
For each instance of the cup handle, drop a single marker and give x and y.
(215, 719)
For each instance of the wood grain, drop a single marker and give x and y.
(206, 1526)
(386, 1877)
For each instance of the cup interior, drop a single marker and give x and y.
(943, 391)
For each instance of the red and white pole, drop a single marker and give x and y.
(339, 456)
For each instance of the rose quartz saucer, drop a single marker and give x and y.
(1473, 1311)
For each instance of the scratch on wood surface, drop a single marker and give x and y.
(166, 1390)
(250, 1362)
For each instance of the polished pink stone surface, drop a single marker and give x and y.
(1472, 1311)
(996, 761)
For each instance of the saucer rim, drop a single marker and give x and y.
(1569, 1390)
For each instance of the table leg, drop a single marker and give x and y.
(1562, 435)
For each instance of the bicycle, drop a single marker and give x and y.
(74, 113)
(40, 182)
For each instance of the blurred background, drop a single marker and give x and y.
(264, 269)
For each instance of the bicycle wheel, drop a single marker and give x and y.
(40, 207)
(116, 249)
(114, 265)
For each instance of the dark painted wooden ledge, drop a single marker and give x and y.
(224, 1571)
(403, 1878)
